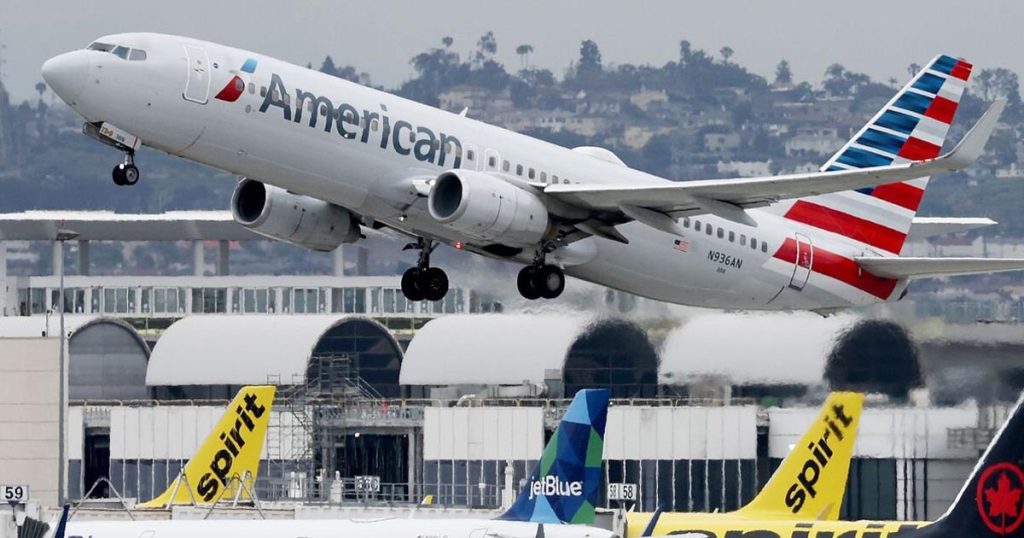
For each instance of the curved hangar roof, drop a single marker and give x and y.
(241, 350)
(489, 349)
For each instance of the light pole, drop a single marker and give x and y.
(63, 235)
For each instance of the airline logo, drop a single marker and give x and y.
(999, 497)
(236, 86)
(369, 127)
(836, 426)
(232, 441)
(551, 485)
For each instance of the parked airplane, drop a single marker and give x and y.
(227, 464)
(323, 157)
(989, 505)
(808, 485)
(563, 488)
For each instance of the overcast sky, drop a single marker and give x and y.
(878, 37)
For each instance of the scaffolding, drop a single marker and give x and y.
(309, 433)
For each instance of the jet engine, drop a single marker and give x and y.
(486, 208)
(285, 216)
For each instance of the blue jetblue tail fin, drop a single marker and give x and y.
(564, 485)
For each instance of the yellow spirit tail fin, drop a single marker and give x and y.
(228, 459)
(810, 482)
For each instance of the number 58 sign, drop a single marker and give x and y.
(14, 493)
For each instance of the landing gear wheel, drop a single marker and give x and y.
(526, 283)
(549, 281)
(433, 282)
(411, 285)
(118, 175)
(126, 173)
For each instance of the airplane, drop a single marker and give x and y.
(227, 464)
(557, 501)
(323, 160)
(809, 484)
(990, 504)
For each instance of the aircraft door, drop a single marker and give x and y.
(804, 261)
(197, 81)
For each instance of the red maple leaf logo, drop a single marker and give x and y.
(1004, 513)
(1003, 500)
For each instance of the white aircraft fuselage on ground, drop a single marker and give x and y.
(377, 528)
(341, 155)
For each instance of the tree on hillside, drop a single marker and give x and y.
(783, 75)
(487, 47)
(685, 51)
(447, 41)
(524, 55)
(913, 69)
(726, 53)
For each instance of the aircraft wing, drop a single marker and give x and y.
(900, 267)
(728, 197)
(925, 227)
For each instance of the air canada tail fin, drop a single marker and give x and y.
(564, 485)
(810, 482)
(227, 463)
(991, 502)
(911, 127)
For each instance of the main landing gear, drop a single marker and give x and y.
(423, 281)
(126, 173)
(541, 279)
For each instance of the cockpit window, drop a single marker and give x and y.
(102, 47)
(121, 52)
(137, 55)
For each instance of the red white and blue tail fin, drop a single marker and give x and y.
(911, 127)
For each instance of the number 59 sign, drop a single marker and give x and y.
(14, 493)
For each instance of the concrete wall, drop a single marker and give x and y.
(28, 415)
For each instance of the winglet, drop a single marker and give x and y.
(649, 529)
(973, 143)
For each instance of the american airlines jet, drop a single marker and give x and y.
(322, 158)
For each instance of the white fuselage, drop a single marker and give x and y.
(379, 528)
(368, 167)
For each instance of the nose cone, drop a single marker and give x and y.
(66, 74)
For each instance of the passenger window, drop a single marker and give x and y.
(764, 246)
(263, 91)
(696, 225)
(137, 55)
(531, 173)
(554, 180)
(491, 162)
(543, 177)
(373, 125)
(412, 136)
(239, 85)
(721, 233)
(505, 166)
(753, 243)
(519, 169)
(470, 154)
(121, 52)
(686, 222)
(709, 229)
(565, 181)
(743, 240)
(732, 237)
(252, 88)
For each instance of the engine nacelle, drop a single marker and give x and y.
(486, 208)
(301, 220)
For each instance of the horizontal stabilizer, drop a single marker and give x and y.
(901, 267)
(925, 227)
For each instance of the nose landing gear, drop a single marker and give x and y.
(126, 173)
(541, 279)
(423, 281)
